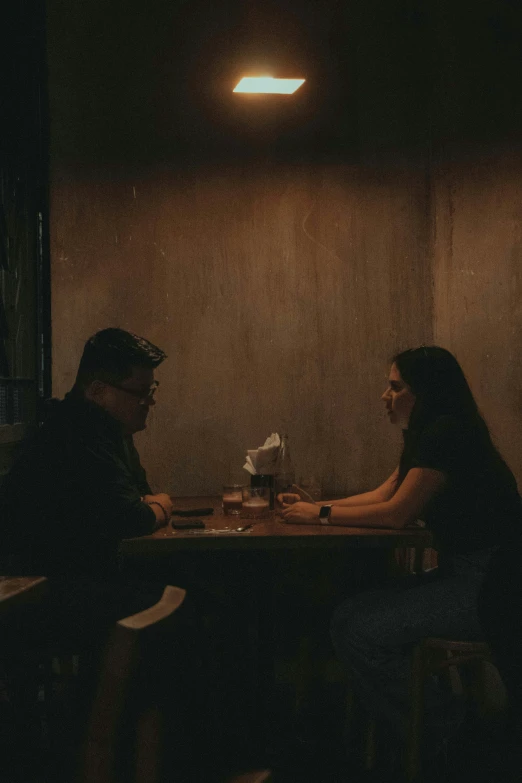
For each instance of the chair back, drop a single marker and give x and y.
(100, 762)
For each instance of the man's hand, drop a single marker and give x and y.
(299, 513)
(162, 511)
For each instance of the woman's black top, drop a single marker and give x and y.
(479, 505)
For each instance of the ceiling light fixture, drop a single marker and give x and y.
(268, 85)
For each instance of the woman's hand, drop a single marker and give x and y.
(299, 513)
(287, 498)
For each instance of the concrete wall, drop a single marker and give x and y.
(278, 295)
(478, 284)
(476, 174)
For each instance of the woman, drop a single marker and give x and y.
(451, 476)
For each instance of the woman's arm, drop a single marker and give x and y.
(380, 495)
(404, 507)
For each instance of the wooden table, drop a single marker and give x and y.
(311, 555)
(263, 557)
(265, 534)
(17, 591)
(268, 546)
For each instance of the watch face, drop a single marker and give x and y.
(324, 512)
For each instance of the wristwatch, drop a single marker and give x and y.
(324, 514)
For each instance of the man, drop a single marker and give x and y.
(79, 488)
(70, 498)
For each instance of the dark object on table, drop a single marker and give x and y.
(192, 512)
(186, 524)
(264, 480)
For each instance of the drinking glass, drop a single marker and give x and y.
(311, 485)
(256, 503)
(232, 499)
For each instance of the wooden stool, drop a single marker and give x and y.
(431, 656)
(437, 656)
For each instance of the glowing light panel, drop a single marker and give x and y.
(268, 84)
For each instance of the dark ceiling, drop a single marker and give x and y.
(151, 81)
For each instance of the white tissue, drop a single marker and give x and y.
(263, 459)
(249, 465)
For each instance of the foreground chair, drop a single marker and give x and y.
(102, 754)
(23, 604)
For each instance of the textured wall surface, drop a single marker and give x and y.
(278, 294)
(478, 285)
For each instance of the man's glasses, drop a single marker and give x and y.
(143, 396)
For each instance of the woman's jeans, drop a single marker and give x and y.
(374, 633)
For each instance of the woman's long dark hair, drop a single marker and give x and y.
(440, 388)
(438, 383)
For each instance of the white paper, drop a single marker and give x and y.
(249, 466)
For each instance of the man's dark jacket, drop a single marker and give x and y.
(72, 495)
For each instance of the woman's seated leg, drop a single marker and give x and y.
(373, 634)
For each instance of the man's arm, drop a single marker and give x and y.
(162, 506)
(111, 491)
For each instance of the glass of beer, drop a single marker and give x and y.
(232, 499)
(256, 503)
